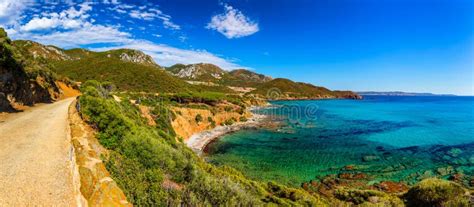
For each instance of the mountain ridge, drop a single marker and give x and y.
(133, 70)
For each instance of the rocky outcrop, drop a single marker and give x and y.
(96, 185)
(134, 56)
(39, 51)
(19, 87)
(198, 72)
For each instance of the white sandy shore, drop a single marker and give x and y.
(197, 142)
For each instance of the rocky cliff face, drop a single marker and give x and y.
(187, 122)
(133, 56)
(19, 87)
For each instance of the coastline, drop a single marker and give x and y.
(198, 141)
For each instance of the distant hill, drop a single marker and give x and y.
(246, 78)
(282, 88)
(129, 70)
(399, 93)
(205, 72)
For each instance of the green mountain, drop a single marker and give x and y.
(128, 70)
(281, 88)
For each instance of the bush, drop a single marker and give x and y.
(210, 120)
(436, 192)
(229, 122)
(198, 118)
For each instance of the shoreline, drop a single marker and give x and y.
(198, 141)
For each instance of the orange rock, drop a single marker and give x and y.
(392, 187)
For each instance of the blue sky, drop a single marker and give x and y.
(381, 45)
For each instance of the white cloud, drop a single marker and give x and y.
(110, 2)
(152, 14)
(71, 27)
(40, 24)
(10, 10)
(67, 19)
(166, 55)
(74, 27)
(91, 34)
(233, 24)
(121, 11)
(137, 14)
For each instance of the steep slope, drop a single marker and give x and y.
(23, 81)
(281, 88)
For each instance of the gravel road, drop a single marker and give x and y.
(35, 165)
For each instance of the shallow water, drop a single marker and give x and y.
(388, 138)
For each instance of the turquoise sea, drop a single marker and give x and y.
(398, 138)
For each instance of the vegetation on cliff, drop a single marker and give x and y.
(23, 80)
(154, 169)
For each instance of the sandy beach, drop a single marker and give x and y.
(197, 142)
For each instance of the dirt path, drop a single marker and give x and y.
(35, 157)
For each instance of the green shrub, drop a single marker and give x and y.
(229, 122)
(436, 192)
(198, 118)
(210, 120)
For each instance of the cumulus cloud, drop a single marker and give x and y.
(71, 27)
(74, 27)
(67, 19)
(10, 10)
(166, 55)
(232, 23)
